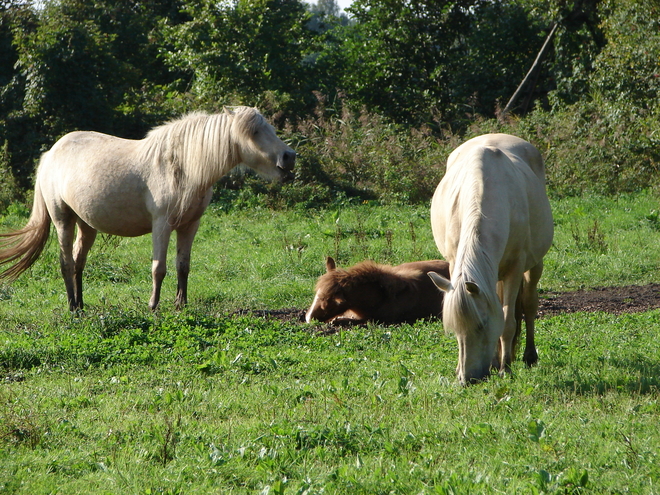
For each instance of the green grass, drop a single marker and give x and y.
(120, 400)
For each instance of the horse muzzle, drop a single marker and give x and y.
(286, 163)
(287, 176)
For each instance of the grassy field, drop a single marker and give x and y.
(119, 400)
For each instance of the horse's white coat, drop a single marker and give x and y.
(159, 184)
(492, 222)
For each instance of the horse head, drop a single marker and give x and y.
(473, 313)
(258, 145)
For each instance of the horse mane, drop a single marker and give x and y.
(472, 264)
(366, 272)
(194, 151)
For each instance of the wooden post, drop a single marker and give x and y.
(532, 70)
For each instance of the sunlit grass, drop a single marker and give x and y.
(121, 400)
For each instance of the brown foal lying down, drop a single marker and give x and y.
(372, 292)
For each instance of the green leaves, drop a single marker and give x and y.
(535, 430)
(239, 53)
(394, 52)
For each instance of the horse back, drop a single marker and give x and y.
(89, 155)
(102, 180)
(494, 185)
(438, 266)
(412, 295)
(516, 149)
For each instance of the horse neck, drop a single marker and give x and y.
(208, 152)
(193, 152)
(359, 297)
(354, 285)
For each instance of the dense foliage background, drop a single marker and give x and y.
(119, 399)
(373, 101)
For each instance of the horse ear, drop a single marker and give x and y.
(330, 264)
(472, 288)
(227, 111)
(440, 282)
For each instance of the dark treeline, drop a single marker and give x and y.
(373, 99)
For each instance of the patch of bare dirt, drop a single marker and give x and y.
(616, 300)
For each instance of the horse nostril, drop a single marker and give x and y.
(289, 159)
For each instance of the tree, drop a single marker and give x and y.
(77, 65)
(492, 57)
(251, 52)
(627, 70)
(396, 55)
(72, 79)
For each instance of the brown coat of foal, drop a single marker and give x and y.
(372, 292)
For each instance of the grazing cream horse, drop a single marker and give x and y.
(128, 188)
(491, 220)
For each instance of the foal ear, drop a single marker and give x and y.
(330, 264)
(440, 282)
(472, 288)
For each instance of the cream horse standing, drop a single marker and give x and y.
(491, 220)
(128, 188)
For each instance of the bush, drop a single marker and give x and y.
(9, 190)
(347, 156)
(365, 155)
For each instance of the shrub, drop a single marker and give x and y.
(365, 155)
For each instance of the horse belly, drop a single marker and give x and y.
(115, 208)
(118, 220)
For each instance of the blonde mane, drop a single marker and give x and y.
(473, 264)
(194, 151)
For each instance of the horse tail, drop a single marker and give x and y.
(24, 246)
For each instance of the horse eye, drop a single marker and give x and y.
(255, 134)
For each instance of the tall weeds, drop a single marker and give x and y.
(348, 154)
(365, 153)
(592, 147)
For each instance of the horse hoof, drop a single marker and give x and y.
(530, 358)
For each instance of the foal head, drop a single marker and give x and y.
(330, 299)
(258, 145)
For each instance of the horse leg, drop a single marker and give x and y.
(84, 242)
(184, 240)
(510, 290)
(160, 238)
(497, 358)
(519, 318)
(530, 306)
(65, 225)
